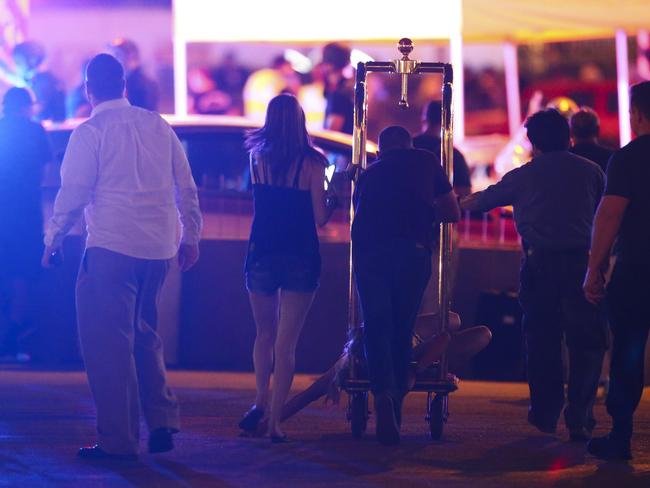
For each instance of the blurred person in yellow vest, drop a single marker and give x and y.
(265, 84)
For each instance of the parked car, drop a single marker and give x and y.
(215, 148)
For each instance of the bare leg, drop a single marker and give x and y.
(429, 351)
(265, 313)
(316, 390)
(467, 343)
(293, 311)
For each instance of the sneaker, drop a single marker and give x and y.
(251, 418)
(609, 449)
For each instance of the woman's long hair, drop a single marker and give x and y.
(283, 139)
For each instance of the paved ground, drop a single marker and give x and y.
(45, 416)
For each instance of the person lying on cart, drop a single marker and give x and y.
(428, 346)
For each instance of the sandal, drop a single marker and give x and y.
(251, 419)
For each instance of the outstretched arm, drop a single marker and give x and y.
(497, 195)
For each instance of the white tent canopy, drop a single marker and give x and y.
(309, 21)
(505, 21)
(522, 21)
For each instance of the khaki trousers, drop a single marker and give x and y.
(116, 312)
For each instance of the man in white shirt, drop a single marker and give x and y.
(126, 170)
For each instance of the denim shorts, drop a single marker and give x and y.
(292, 273)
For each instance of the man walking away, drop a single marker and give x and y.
(126, 169)
(624, 213)
(554, 197)
(24, 151)
(585, 128)
(397, 201)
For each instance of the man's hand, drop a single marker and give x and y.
(52, 256)
(468, 202)
(594, 286)
(188, 255)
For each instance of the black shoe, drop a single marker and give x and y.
(579, 434)
(387, 430)
(96, 453)
(160, 440)
(609, 449)
(251, 419)
(279, 439)
(545, 427)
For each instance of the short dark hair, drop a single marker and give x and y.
(338, 55)
(585, 124)
(394, 137)
(16, 100)
(32, 53)
(640, 98)
(105, 77)
(548, 130)
(433, 113)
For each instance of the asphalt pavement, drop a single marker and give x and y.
(45, 416)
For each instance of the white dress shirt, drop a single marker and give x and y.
(128, 171)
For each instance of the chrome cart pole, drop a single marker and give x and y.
(446, 229)
(359, 162)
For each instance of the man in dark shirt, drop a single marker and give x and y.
(28, 58)
(429, 139)
(554, 198)
(624, 213)
(397, 201)
(141, 91)
(24, 150)
(339, 91)
(585, 127)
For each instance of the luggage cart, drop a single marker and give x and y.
(436, 381)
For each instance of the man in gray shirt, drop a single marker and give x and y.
(554, 197)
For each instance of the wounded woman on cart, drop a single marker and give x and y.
(429, 344)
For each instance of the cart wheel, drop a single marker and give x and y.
(358, 413)
(437, 415)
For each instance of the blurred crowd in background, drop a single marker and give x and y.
(239, 78)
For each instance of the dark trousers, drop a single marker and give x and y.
(555, 308)
(390, 279)
(628, 296)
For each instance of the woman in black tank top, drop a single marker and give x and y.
(283, 262)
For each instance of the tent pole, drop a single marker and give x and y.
(513, 99)
(180, 68)
(643, 59)
(456, 59)
(623, 83)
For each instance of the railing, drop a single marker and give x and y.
(490, 229)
